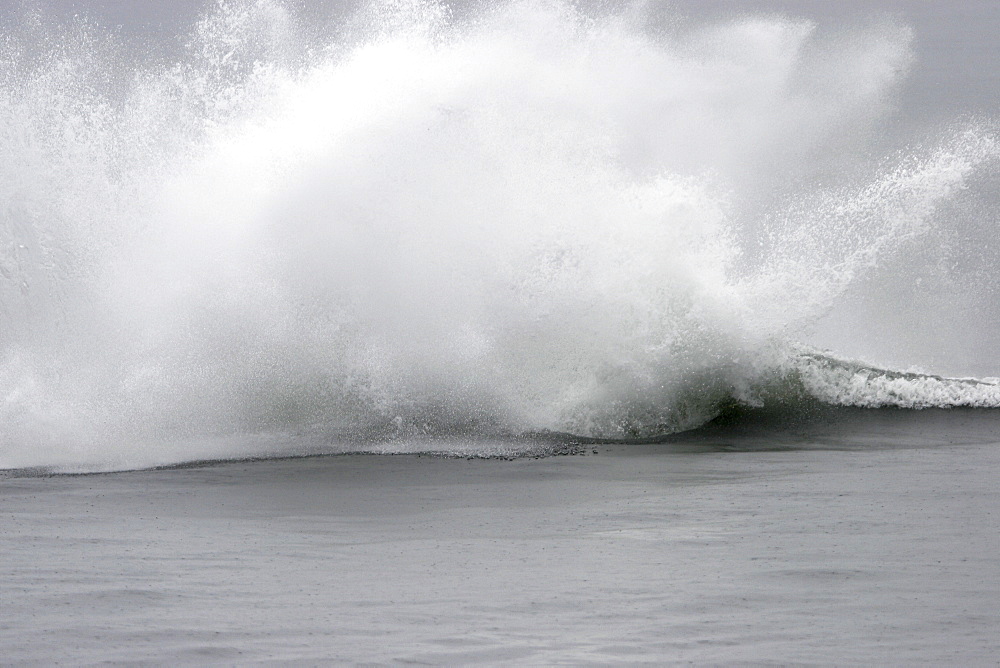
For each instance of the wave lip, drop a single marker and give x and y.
(783, 407)
(841, 382)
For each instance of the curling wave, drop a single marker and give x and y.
(523, 220)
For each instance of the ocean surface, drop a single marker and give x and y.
(531, 331)
(857, 538)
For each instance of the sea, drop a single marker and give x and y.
(514, 332)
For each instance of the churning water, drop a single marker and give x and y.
(520, 219)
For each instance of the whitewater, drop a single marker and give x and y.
(478, 224)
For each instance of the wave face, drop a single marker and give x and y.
(522, 219)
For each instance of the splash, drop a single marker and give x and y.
(528, 218)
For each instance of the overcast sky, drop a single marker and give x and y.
(958, 57)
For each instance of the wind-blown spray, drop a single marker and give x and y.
(527, 219)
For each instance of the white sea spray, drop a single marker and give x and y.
(528, 219)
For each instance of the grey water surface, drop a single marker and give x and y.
(875, 555)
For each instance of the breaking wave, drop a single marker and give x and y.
(523, 220)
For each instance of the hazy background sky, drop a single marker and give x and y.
(958, 55)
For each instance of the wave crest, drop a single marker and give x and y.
(529, 218)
